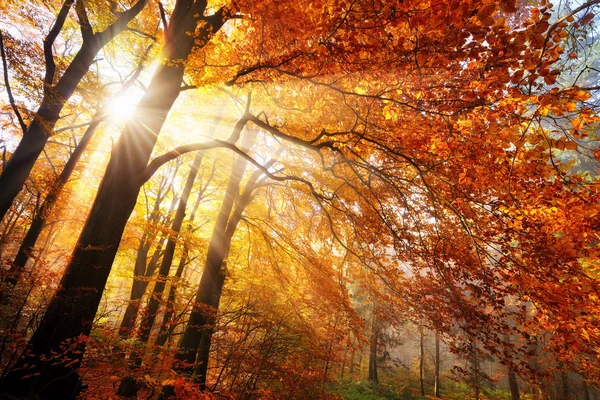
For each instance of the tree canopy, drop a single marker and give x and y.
(251, 192)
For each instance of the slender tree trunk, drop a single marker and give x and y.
(70, 314)
(586, 390)
(373, 377)
(165, 326)
(422, 361)
(475, 369)
(218, 257)
(39, 220)
(512, 383)
(138, 288)
(142, 273)
(163, 272)
(194, 346)
(564, 383)
(436, 384)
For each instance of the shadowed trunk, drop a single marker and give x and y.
(161, 280)
(194, 346)
(436, 382)
(142, 272)
(422, 362)
(373, 351)
(69, 317)
(512, 383)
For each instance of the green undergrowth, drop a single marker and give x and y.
(408, 389)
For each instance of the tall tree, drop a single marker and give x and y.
(71, 312)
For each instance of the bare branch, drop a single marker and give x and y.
(121, 23)
(49, 41)
(11, 99)
(87, 33)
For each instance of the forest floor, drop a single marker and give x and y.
(409, 390)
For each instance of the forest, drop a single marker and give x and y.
(277, 199)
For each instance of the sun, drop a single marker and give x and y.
(121, 107)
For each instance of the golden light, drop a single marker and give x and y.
(122, 107)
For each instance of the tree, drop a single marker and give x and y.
(72, 309)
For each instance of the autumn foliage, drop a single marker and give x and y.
(299, 181)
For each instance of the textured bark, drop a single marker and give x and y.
(71, 311)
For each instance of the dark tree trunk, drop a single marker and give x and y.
(163, 272)
(165, 326)
(70, 314)
(512, 383)
(475, 370)
(422, 362)
(373, 377)
(142, 272)
(194, 346)
(564, 383)
(138, 288)
(436, 383)
(586, 391)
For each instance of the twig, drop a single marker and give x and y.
(11, 99)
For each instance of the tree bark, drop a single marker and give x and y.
(422, 362)
(163, 272)
(143, 270)
(69, 317)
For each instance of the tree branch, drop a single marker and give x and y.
(11, 99)
(87, 33)
(49, 41)
(121, 23)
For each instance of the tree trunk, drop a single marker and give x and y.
(39, 220)
(163, 272)
(70, 314)
(194, 346)
(512, 383)
(142, 272)
(422, 362)
(373, 352)
(165, 326)
(436, 383)
(475, 369)
(564, 383)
